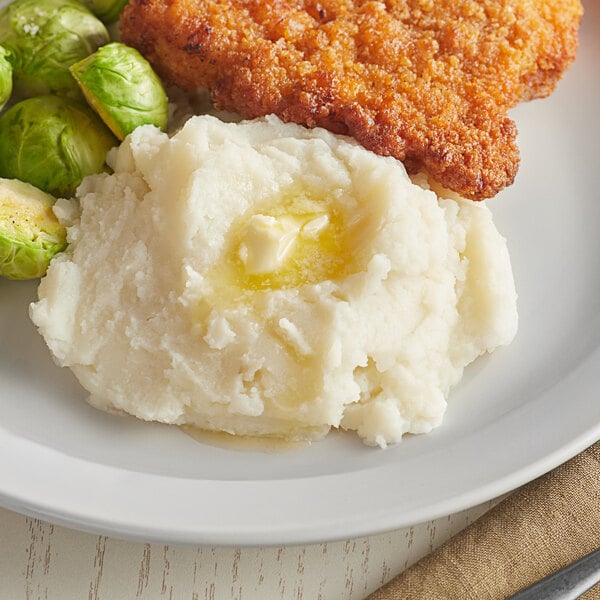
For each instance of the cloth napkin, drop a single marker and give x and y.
(535, 531)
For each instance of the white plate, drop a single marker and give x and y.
(516, 414)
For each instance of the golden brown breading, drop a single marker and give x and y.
(426, 81)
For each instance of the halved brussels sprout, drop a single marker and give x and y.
(5, 77)
(30, 234)
(107, 11)
(52, 143)
(121, 86)
(45, 37)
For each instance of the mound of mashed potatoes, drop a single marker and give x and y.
(262, 279)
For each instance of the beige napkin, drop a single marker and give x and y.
(538, 529)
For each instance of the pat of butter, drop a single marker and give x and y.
(268, 241)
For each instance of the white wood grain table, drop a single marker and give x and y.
(39, 560)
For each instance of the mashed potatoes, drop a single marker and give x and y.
(262, 279)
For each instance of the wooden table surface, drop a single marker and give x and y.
(39, 560)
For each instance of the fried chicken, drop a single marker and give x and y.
(426, 81)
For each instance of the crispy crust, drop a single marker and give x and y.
(426, 81)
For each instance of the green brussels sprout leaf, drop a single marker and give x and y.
(52, 143)
(121, 86)
(107, 11)
(30, 234)
(5, 77)
(45, 37)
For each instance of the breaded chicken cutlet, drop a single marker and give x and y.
(426, 81)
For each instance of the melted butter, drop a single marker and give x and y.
(243, 443)
(329, 245)
(318, 247)
(267, 242)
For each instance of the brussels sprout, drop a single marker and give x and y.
(5, 77)
(45, 37)
(30, 234)
(107, 11)
(52, 143)
(119, 83)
